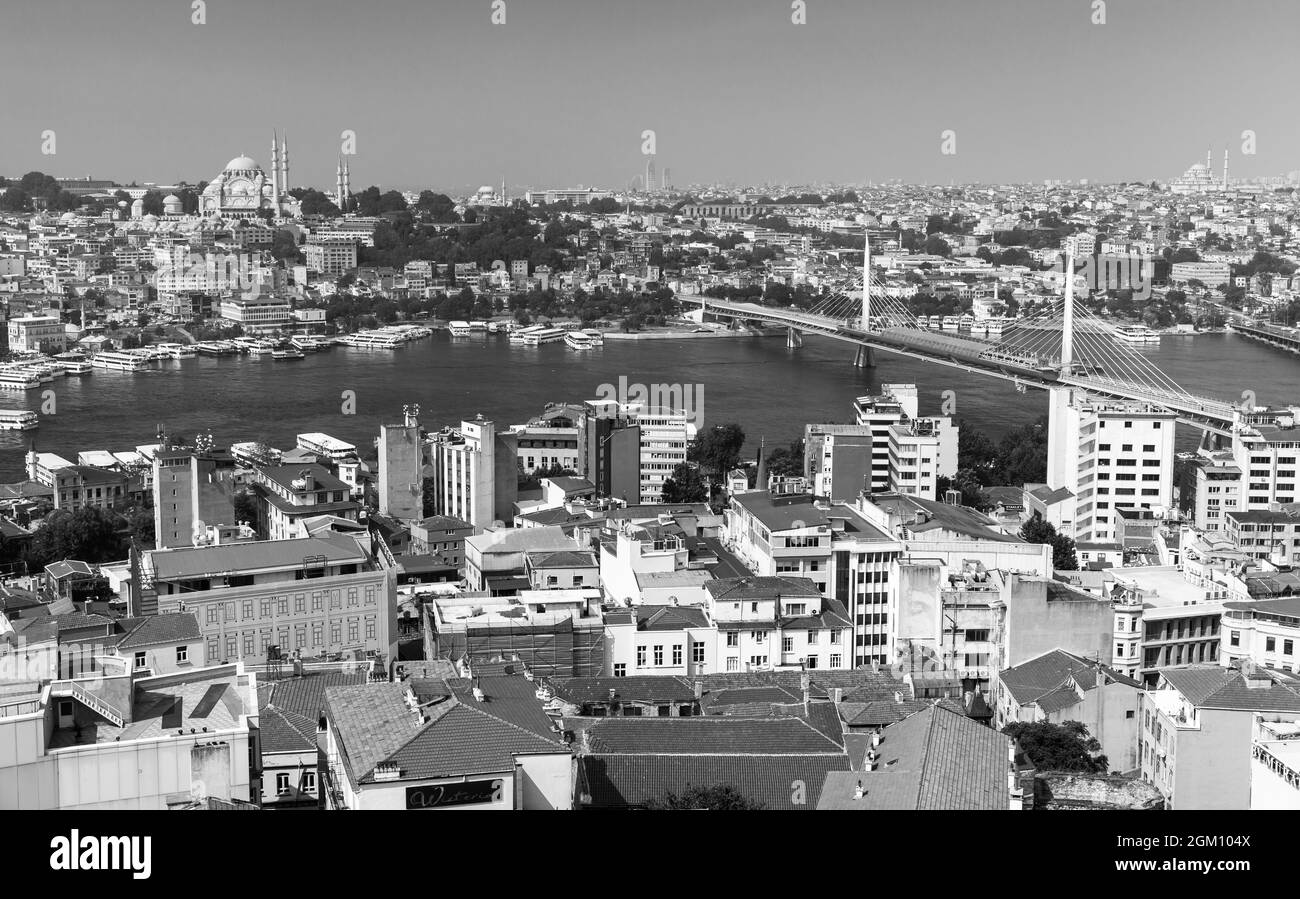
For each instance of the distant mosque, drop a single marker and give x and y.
(243, 189)
(1199, 178)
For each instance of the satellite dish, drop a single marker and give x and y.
(1158, 511)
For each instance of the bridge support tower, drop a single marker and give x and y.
(793, 337)
(864, 358)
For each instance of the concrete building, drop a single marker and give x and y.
(1058, 687)
(248, 597)
(401, 468)
(1109, 455)
(330, 257)
(59, 743)
(1265, 632)
(392, 746)
(292, 494)
(778, 623)
(191, 491)
(258, 315)
(1274, 765)
(1198, 729)
(1265, 446)
(1162, 619)
(660, 640)
(37, 334)
(628, 450)
(475, 474)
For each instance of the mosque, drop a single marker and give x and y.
(1200, 178)
(244, 189)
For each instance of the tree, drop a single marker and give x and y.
(717, 798)
(786, 461)
(685, 485)
(88, 535)
(717, 450)
(1059, 747)
(1036, 530)
(244, 506)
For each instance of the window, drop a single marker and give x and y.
(1270, 644)
(309, 781)
(1287, 647)
(182, 655)
(282, 783)
(1129, 714)
(640, 657)
(620, 669)
(140, 660)
(812, 662)
(837, 661)
(659, 655)
(733, 664)
(787, 644)
(677, 653)
(1119, 650)
(697, 653)
(1234, 638)
(835, 638)
(733, 639)
(813, 637)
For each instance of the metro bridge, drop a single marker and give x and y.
(1064, 345)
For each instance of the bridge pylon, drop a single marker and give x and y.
(793, 337)
(864, 358)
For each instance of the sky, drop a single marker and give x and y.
(561, 93)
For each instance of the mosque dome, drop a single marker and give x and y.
(242, 164)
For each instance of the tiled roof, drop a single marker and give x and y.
(669, 618)
(708, 735)
(285, 731)
(375, 726)
(755, 587)
(1046, 674)
(641, 688)
(636, 780)
(512, 699)
(935, 759)
(1215, 687)
(562, 559)
(174, 627)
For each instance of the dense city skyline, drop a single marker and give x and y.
(560, 93)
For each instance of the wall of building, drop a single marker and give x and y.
(1035, 625)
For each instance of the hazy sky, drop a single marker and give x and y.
(560, 94)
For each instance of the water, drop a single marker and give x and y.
(771, 390)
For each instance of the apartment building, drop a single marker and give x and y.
(1197, 728)
(292, 494)
(1163, 618)
(475, 473)
(323, 596)
(778, 623)
(1109, 455)
(402, 460)
(191, 491)
(1265, 446)
(628, 450)
(1218, 490)
(330, 257)
(62, 738)
(1265, 632)
(37, 334)
(1272, 534)
(258, 315)
(650, 639)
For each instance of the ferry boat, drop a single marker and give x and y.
(121, 361)
(521, 335)
(18, 379)
(460, 328)
(949, 323)
(310, 343)
(176, 350)
(584, 339)
(1136, 334)
(18, 420)
(261, 348)
(389, 338)
(288, 353)
(217, 348)
(543, 335)
(73, 364)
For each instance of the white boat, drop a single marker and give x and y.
(543, 335)
(18, 420)
(1136, 334)
(17, 379)
(176, 350)
(288, 353)
(261, 348)
(460, 328)
(584, 340)
(73, 364)
(389, 338)
(121, 361)
(309, 343)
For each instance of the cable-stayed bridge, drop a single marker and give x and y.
(1063, 344)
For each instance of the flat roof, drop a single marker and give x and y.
(262, 555)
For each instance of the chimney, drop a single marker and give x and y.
(308, 479)
(858, 792)
(805, 683)
(699, 690)
(837, 695)
(1101, 676)
(612, 694)
(919, 517)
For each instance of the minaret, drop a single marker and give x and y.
(284, 163)
(504, 202)
(338, 184)
(347, 181)
(1225, 168)
(275, 171)
(1207, 161)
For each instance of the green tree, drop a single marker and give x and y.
(717, 798)
(1036, 530)
(88, 535)
(1059, 747)
(718, 449)
(786, 461)
(685, 485)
